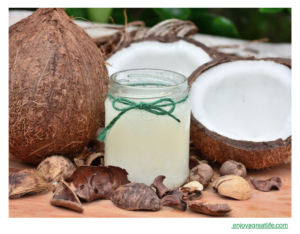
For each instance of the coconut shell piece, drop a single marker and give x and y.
(160, 188)
(202, 173)
(95, 159)
(56, 167)
(233, 186)
(254, 155)
(136, 196)
(193, 195)
(232, 167)
(96, 146)
(57, 86)
(98, 182)
(266, 185)
(27, 181)
(65, 197)
(210, 208)
(192, 186)
(173, 198)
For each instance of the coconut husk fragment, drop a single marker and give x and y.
(65, 197)
(98, 182)
(55, 168)
(266, 185)
(57, 86)
(28, 181)
(126, 34)
(254, 155)
(136, 196)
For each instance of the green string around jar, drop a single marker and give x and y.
(151, 107)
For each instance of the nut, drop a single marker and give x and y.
(233, 186)
(202, 173)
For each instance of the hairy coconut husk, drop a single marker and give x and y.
(27, 181)
(57, 86)
(254, 155)
(125, 34)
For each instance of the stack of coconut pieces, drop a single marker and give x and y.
(58, 77)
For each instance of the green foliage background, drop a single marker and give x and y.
(244, 23)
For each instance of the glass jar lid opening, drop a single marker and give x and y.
(148, 84)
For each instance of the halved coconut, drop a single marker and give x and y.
(182, 55)
(241, 110)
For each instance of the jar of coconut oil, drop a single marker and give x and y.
(147, 119)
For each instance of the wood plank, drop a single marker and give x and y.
(261, 204)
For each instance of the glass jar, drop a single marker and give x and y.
(144, 143)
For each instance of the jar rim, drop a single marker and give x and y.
(111, 80)
(148, 83)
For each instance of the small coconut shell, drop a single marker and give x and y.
(96, 159)
(202, 173)
(27, 181)
(266, 185)
(209, 208)
(233, 186)
(232, 167)
(254, 155)
(136, 196)
(55, 168)
(57, 86)
(65, 197)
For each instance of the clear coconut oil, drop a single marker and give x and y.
(145, 144)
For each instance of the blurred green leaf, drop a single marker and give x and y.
(77, 12)
(215, 25)
(289, 10)
(270, 10)
(100, 15)
(177, 13)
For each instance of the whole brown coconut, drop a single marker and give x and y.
(57, 86)
(254, 155)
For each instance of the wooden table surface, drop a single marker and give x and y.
(261, 204)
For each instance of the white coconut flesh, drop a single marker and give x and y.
(179, 56)
(244, 100)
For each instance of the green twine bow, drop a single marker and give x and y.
(152, 107)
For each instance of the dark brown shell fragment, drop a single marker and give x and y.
(136, 196)
(65, 197)
(266, 185)
(161, 189)
(210, 208)
(98, 182)
(173, 198)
